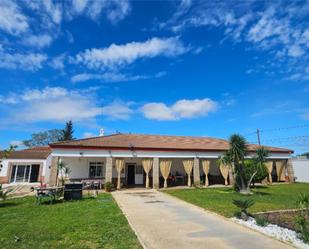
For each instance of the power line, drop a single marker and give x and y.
(286, 128)
(284, 139)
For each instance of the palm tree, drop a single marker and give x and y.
(235, 157)
(4, 193)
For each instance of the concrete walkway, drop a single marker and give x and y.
(164, 222)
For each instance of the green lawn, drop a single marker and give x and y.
(266, 198)
(88, 223)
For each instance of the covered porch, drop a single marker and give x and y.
(156, 172)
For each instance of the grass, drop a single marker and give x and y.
(88, 223)
(266, 198)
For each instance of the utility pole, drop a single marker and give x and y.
(258, 135)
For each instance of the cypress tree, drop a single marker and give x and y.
(68, 131)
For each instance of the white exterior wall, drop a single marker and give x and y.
(79, 167)
(45, 165)
(301, 169)
(4, 170)
(46, 169)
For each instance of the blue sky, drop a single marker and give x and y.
(201, 68)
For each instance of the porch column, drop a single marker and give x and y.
(155, 173)
(53, 171)
(109, 169)
(290, 170)
(196, 172)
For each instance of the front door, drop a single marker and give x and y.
(34, 176)
(131, 174)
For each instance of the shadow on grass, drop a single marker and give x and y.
(259, 187)
(8, 204)
(261, 193)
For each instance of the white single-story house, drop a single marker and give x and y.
(127, 160)
(29, 165)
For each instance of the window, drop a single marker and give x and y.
(139, 169)
(95, 169)
(25, 173)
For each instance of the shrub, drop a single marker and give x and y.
(261, 221)
(4, 193)
(301, 223)
(251, 167)
(303, 202)
(244, 205)
(108, 186)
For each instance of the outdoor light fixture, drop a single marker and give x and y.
(132, 149)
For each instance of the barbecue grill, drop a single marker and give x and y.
(73, 191)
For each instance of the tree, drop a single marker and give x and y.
(4, 193)
(235, 157)
(306, 154)
(44, 138)
(68, 132)
(63, 170)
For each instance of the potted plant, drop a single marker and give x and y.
(108, 186)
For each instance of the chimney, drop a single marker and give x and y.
(101, 132)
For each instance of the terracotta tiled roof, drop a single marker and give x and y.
(30, 153)
(155, 142)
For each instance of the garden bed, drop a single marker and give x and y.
(274, 231)
(282, 218)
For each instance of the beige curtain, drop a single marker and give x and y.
(206, 166)
(147, 165)
(269, 167)
(165, 167)
(224, 169)
(119, 168)
(188, 165)
(280, 169)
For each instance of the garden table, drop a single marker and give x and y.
(51, 193)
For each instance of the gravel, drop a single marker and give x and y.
(275, 231)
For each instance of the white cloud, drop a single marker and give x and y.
(115, 10)
(12, 20)
(181, 109)
(266, 27)
(120, 55)
(44, 94)
(274, 28)
(17, 143)
(52, 104)
(23, 61)
(120, 10)
(113, 77)
(58, 104)
(295, 51)
(58, 62)
(11, 99)
(158, 111)
(49, 11)
(89, 134)
(38, 41)
(117, 110)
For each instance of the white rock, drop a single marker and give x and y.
(274, 231)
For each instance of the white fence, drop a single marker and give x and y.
(301, 169)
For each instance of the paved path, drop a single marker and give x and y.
(164, 222)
